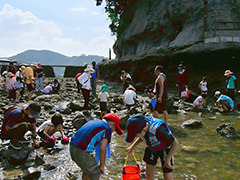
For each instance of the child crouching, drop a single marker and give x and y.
(48, 128)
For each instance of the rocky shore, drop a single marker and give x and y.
(69, 102)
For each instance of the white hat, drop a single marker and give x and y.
(217, 93)
(34, 64)
(228, 72)
(89, 68)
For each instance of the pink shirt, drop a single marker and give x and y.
(10, 82)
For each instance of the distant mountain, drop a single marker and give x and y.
(46, 57)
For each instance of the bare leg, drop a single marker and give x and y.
(150, 171)
(156, 114)
(165, 114)
(168, 176)
(30, 95)
(85, 176)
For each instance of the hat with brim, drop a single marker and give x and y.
(89, 69)
(217, 93)
(22, 68)
(113, 117)
(135, 124)
(34, 65)
(9, 74)
(228, 72)
(35, 110)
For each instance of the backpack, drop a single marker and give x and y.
(6, 112)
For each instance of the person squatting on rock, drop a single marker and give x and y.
(160, 89)
(85, 140)
(84, 81)
(48, 128)
(29, 74)
(103, 97)
(224, 101)
(130, 97)
(160, 143)
(19, 120)
(126, 79)
(231, 82)
(203, 85)
(39, 78)
(94, 78)
(182, 78)
(200, 101)
(56, 86)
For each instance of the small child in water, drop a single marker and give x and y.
(203, 85)
(48, 128)
(103, 97)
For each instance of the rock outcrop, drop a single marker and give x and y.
(165, 28)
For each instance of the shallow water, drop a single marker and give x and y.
(211, 157)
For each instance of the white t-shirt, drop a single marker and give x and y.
(203, 86)
(44, 125)
(129, 96)
(47, 89)
(103, 96)
(198, 101)
(84, 80)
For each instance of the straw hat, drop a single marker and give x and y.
(22, 68)
(89, 68)
(9, 74)
(34, 64)
(228, 72)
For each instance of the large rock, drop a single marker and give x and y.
(192, 123)
(32, 173)
(227, 130)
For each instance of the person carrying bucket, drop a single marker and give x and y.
(84, 142)
(160, 143)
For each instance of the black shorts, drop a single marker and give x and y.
(152, 157)
(30, 87)
(103, 106)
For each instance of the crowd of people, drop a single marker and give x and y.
(96, 134)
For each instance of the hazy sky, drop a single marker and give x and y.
(70, 27)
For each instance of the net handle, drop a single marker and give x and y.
(133, 157)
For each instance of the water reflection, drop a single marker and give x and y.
(202, 154)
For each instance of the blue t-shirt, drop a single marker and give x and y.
(90, 134)
(95, 74)
(227, 99)
(231, 83)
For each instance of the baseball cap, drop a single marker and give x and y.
(217, 93)
(135, 124)
(113, 117)
(35, 110)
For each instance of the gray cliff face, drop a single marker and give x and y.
(163, 26)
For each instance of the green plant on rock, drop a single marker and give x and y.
(114, 9)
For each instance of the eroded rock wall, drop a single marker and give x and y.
(150, 26)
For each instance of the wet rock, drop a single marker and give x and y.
(134, 110)
(32, 173)
(66, 111)
(39, 160)
(212, 118)
(139, 87)
(117, 100)
(75, 106)
(52, 111)
(47, 106)
(192, 123)
(48, 98)
(77, 123)
(48, 167)
(191, 160)
(227, 130)
(189, 149)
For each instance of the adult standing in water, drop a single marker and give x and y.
(160, 89)
(84, 81)
(94, 78)
(231, 82)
